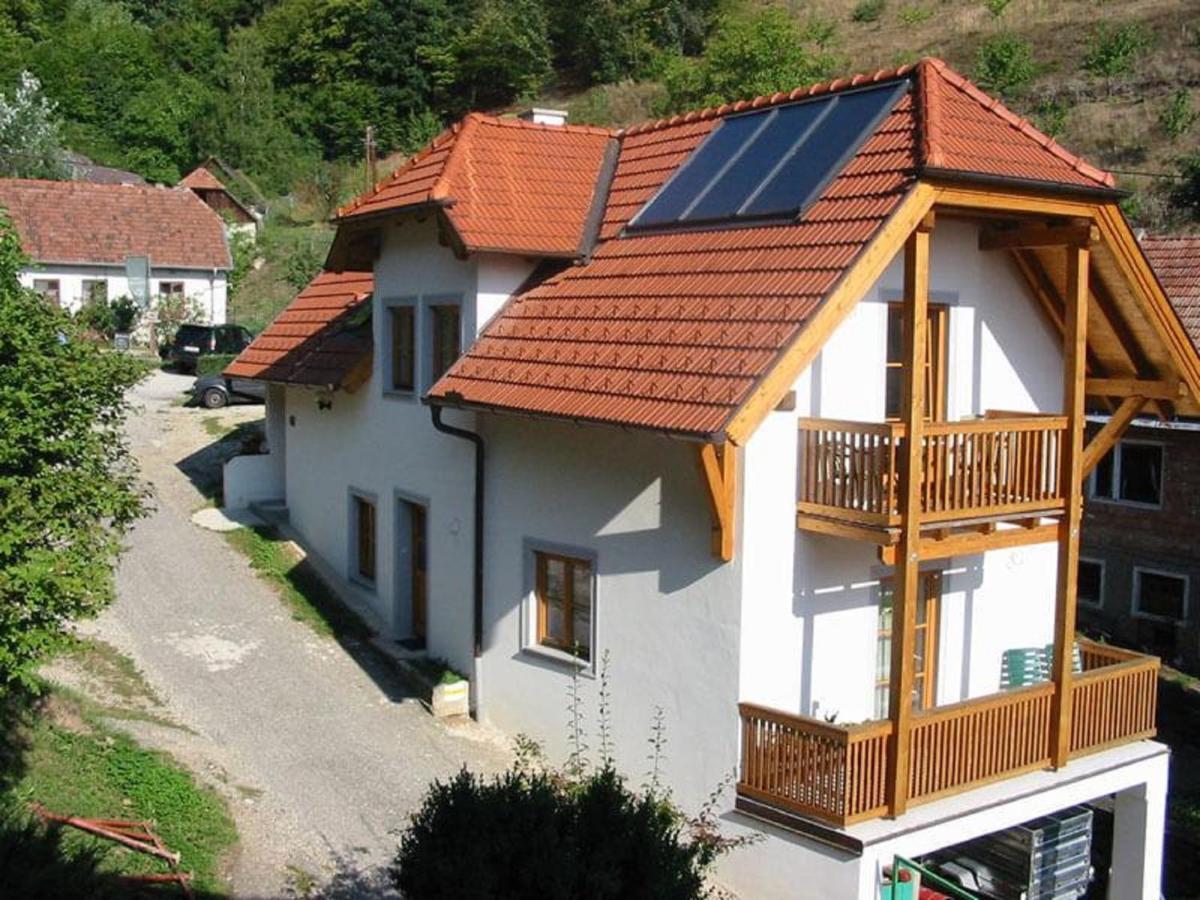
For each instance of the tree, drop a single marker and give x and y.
(1004, 64)
(68, 484)
(29, 142)
(747, 57)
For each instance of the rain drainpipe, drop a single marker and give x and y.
(475, 439)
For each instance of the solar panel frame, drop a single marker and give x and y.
(646, 221)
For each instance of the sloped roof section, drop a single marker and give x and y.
(1176, 262)
(201, 179)
(506, 185)
(80, 222)
(318, 340)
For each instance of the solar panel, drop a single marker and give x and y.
(769, 164)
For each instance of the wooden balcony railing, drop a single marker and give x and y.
(837, 773)
(1003, 465)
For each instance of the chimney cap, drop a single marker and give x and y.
(543, 115)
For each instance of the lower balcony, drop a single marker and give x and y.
(837, 774)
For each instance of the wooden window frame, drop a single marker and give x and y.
(570, 645)
(1099, 602)
(1117, 454)
(391, 385)
(359, 501)
(1138, 571)
(931, 583)
(936, 356)
(437, 365)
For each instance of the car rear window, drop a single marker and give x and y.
(192, 334)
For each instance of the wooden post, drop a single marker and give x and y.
(908, 550)
(1074, 376)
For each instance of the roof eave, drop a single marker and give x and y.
(1098, 192)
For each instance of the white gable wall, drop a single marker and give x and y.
(208, 288)
(815, 604)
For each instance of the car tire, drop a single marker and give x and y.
(214, 398)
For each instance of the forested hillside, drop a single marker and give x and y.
(285, 89)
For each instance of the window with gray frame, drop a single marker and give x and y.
(1089, 583)
(94, 289)
(1160, 595)
(403, 347)
(364, 539)
(446, 324)
(50, 288)
(1132, 472)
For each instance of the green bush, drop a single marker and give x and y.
(1178, 115)
(1004, 65)
(212, 363)
(1112, 50)
(1186, 192)
(97, 316)
(997, 7)
(534, 835)
(914, 14)
(125, 314)
(868, 10)
(1051, 116)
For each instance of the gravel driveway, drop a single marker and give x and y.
(317, 746)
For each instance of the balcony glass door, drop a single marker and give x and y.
(924, 646)
(935, 362)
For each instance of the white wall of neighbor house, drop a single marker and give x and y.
(380, 442)
(664, 609)
(209, 288)
(810, 602)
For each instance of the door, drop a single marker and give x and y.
(935, 362)
(412, 560)
(924, 646)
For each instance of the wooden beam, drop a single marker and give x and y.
(1074, 394)
(1110, 312)
(1134, 387)
(836, 528)
(846, 293)
(965, 543)
(1106, 437)
(358, 375)
(719, 468)
(906, 594)
(1033, 236)
(1010, 202)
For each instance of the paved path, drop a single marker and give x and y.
(317, 746)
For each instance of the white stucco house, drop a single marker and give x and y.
(780, 405)
(83, 237)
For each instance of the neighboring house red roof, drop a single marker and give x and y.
(1176, 262)
(317, 340)
(506, 185)
(80, 222)
(672, 331)
(202, 179)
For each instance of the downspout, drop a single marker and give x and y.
(475, 439)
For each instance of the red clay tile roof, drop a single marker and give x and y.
(506, 185)
(672, 331)
(80, 222)
(201, 179)
(316, 340)
(1176, 262)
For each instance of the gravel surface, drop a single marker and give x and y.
(318, 747)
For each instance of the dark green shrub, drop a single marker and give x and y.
(36, 864)
(96, 315)
(1178, 115)
(1112, 50)
(535, 835)
(1004, 65)
(1186, 193)
(125, 314)
(212, 363)
(868, 10)
(997, 7)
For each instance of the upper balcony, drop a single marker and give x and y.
(838, 774)
(976, 473)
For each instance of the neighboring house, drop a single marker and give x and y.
(83, 169)
(1140, 570)
(81, 237)
(646, 395)
(237, 216)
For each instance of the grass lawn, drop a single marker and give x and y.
(301, 588)
(62, 755)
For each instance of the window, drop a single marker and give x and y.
(447, 340)
(404, 352)
(935, 362)
(94, 289)
(1132, 472)
(170, 288)
(364, 539)
(49, 288)
(924, 646)
(1160, 595)
(1089, 584)
(564, 603)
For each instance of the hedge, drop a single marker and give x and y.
(212, 363)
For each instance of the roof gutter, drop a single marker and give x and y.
(963, 176)
(477, 581)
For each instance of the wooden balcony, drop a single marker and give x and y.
(996, 468)
(837, 774)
